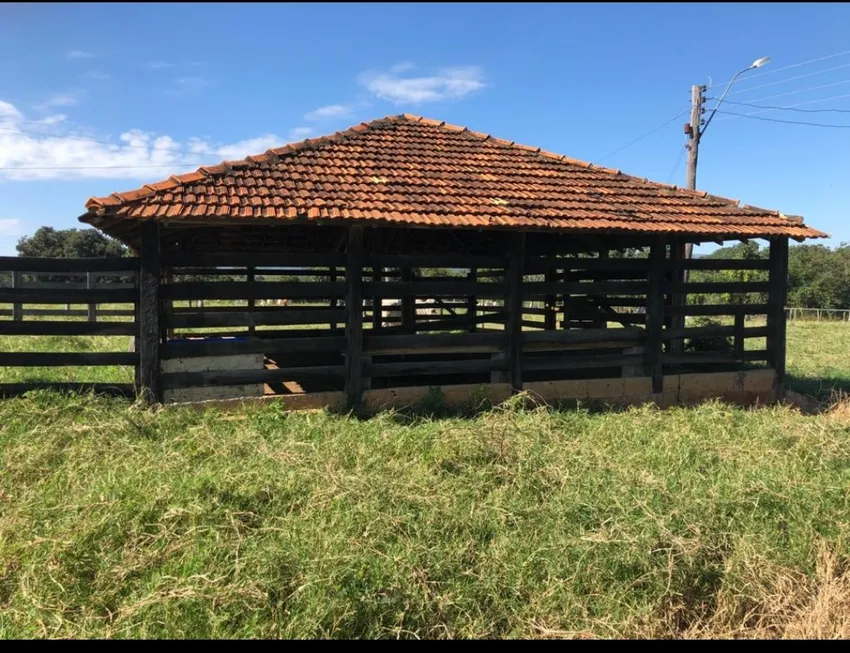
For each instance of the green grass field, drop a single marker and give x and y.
(119, 521)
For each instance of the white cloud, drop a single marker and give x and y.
(445, 84)
(160, 65)
(59, 100)
(136, 154)
(10, 227)
(299, 133)
(98, 75)
(52, 120)
(78, 54)
(329, 112)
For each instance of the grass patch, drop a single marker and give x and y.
(117, 521)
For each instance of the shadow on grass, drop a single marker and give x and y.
(820, 388)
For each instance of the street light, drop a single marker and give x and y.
(758, 63)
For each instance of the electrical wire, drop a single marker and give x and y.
(790, 79)
(794, 65)
(802, 90)
(792, 107)
(789, 122)
(640, 138)
(676, 165)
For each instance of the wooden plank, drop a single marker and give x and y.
(17, 314)
(354, 321)
(718, 287)
(258, 260)
(540, 265)
(715, 332)
(776, 318)
(451, 261)
(701, 358)
(148, 373)
(28, 296)
(41, 359)
(513, 303)
(555, 363)
(69, 285)
(282, 316)
(447, 288)
(411, 368)
(550, 300)
(655, 315)
(68, 328)
(111, 389)
(540, 289)
(460, 342)
(54, 312)
(181, 380)
(259, 290)
(717, 264)
(78, 265)
(718, 309)
(269, 346)
(584, 336)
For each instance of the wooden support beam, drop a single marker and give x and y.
(250, 277)
(333, 300)
(676, 275)
(17, 307)
(148, 376)
(655, 314)
(551, 299)
(92, 308)
(354, 322)
(408, 303)
(513, 304)
(377, 302)
(472, 301)
(777, 296)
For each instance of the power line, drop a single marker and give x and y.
(794, 65)
(791, 107)
(676, 165)
(789, 122)
(803, 90)
(791, 79)
(640, 138)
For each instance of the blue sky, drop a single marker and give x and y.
(94, 96)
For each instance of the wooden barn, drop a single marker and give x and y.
(412, 254)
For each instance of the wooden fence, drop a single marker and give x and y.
(362, 319)
(71, 282)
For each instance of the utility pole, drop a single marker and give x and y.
(694, 132)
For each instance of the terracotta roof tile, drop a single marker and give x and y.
(411, 170)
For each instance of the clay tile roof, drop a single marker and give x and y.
(407, 169)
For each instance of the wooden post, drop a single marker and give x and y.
(408, 303)
(377, 302)
(472, 302)
(778, 278)
(354, 324)
(739, 335)
(550, 302)
(677, 253)
(250, 277)
(565, 298)
(332, 305)
(655, 315)
(602, 322)
(92, 311)
(149, 310)
(514, 306)
(17, 307)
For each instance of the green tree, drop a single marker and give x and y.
(70, 243)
